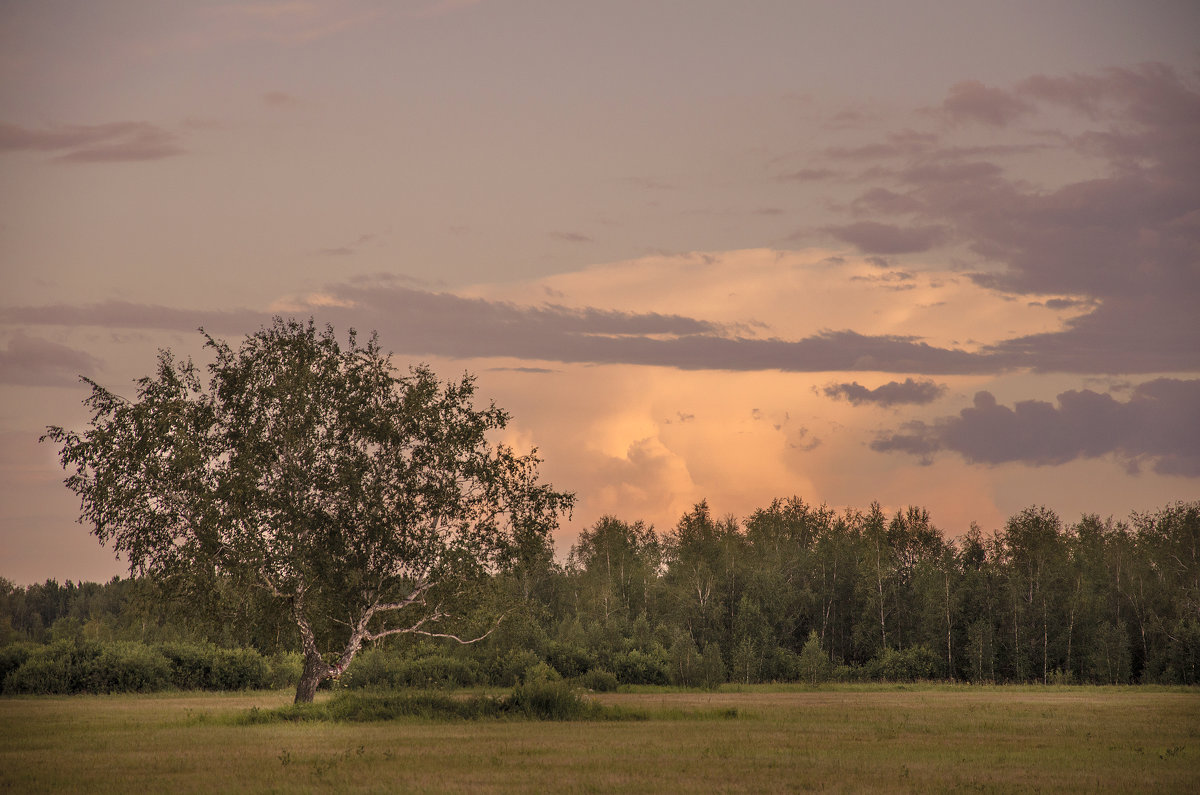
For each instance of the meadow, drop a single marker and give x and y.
(769, 738)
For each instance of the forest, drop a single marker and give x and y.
(793, 592)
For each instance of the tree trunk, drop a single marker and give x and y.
(315, 670)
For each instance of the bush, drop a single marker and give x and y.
(598, 680)
(540, 672)
(12, 657)
(125, 667)
(569, 660)
(638, 667)
(84, 667)
(49, 669)
(546, 700)
(379, 668)
(509, 669)
(284, 669)
(908, 665)
(191, 665)
(238, 669)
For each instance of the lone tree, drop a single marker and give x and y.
(362, 500)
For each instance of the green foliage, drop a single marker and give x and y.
(125, 667)
(685, 662)
(508, 668)
(539, 699)
(568, 659)
(542, 699)
(815, 665)
(383, 668)
(907, 665)
(637, 667)
(284, 669)
(13, 656)
(364, 502)
(712, 667)
(1094, 602)
(598, 680)
(85, 666)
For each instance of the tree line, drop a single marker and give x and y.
(302, 494)
(792, 592)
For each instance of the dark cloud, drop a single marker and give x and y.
(893, 393)
(418, 322)
(118, 141)
(30, 361)
(872, 237)
(1156, 426)
(127, 315)
(973, 101)
(882, 200)
(892, 280)
(1126, 243)
(571, 237)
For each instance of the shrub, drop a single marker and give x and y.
(49, 669)
(379, 668)
(569, 660)
(638, 667)
(598, 680)
(191, 665)
(908, 665)
(509, 669)
(125, 667)
(12, 657)
(546, 700)
(284, 669)
(238, 669)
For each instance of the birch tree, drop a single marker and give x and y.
(361, 500)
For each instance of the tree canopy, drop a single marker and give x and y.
(361, 500)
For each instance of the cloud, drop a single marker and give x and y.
(882, 200)
(1157, 425)
(975, 102)
(427, 323)
(128, 315)
(893, 393)
(571, 237)
(30, 361)
(872, 237)
(906, 143)
(128, 141)
(1126, 242)
(347, 250)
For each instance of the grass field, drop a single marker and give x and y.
(920, 738)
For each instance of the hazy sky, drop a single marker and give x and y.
(932, 253)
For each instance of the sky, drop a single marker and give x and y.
(943, 254)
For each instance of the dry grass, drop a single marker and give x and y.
(851, 739)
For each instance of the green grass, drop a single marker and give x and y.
(910, 738)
